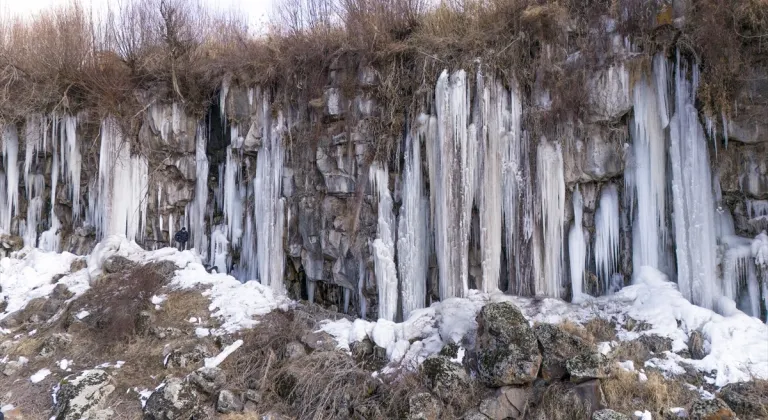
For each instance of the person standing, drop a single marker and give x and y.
(181, 238)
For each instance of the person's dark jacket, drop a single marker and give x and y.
(181, 236)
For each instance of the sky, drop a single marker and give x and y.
(257, 11)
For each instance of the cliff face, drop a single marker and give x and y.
(484, 187)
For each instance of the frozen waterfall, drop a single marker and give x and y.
(577, 247)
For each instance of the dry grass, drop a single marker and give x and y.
(633, 350)
(579, 331)
(558, 403)
(182, 305)
(601, 329)
(625, 393)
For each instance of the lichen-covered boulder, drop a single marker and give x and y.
(423, 406)
(187, 355)
(507, 349)
(174, 400)
(714, 409)
(609, 414)
(749, 400)
(557, 347)
(589, 365)
(444, 376)
(208, 379)
(83, 395)
(117, 264)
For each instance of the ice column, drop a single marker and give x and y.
(269, 209)
(606, 249)
(551, 182)
(648, 174)
(412, 245)
(199, 205)
(120, 207)
(492, 142)
(234, 195)
(383, 247)
(694, 204)
(452, 157)
(10, 164)
(577, 247)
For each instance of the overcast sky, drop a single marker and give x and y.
(257, 11)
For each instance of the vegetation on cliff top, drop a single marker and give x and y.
(67, 59)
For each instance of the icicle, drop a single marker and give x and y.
(72, 163)
(508, 104)
(412, 245)
(694, 204)
(577, 247)
(383, 247)
(648, 173)
(121, 206)
(452, 159)
(220, 249)
(10, 164)
(362, 274)
(269, 209)
(492, 138)
(233, 198)
(197, 227)
(551, 183)
(607, 236)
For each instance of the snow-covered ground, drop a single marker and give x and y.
(737, 344)
(28, 275)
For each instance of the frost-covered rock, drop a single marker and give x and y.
(228, 402)
(609, 414)
(714, 409)
(444, 376)
(589, 365)
(609, 93)
(117, 264)
(557, 347)
(423, 406)
(82, 396)
(174, 400)
(507, 349)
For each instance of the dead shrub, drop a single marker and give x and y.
(601, 329)
(625, 393)
(117, 301)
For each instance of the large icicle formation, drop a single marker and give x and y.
(452, 168)
(577, 247)
(383, 247)
(551, 182)
(606, 249)
(694, 205)
(412, 245)
(269, 208)
(119, 206)
(648, 174)
(200, 203)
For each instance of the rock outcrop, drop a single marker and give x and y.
(82, 396)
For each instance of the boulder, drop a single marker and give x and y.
(557, 346)
(749, 400)
(295, 350)
(228, 402)
(423, 406)
(14, 366)
(443, 376)
(175, 400)
(319, 341)
(714, 409)
(55, 342)
(608, 414)
(117, 264)
(61, 292)
(82, 396)
(696, 345)
(655, 343)
(506, 403)
(474, 414)
(208, 380)
(609, 94)
(187, 356)
(507, 349)
(587, 366)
